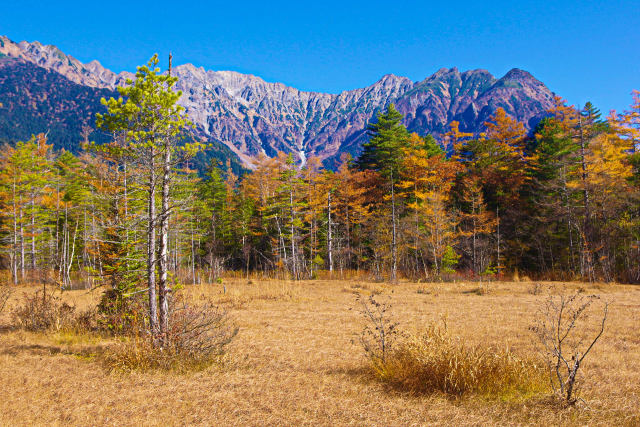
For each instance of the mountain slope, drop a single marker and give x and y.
(251, 116)
(36, 100)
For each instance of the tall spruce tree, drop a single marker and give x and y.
(388, 139)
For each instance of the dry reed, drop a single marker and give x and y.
(437, 361)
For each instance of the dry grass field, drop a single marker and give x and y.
(297, 361)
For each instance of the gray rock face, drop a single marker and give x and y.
(50, 57)
(252, 116)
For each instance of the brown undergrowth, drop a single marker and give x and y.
(197, 338)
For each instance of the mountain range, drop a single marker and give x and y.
(44, 90)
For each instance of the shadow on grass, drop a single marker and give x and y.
(36, 349)
(476, 291)
(5, 329)
(86, 352)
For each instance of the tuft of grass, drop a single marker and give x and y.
(139, 354)
(435, 361)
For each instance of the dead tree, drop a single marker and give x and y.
(561, 327)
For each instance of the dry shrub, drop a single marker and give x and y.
(5, 293)
(199, 330)
(356, 288)
(197, 338)
(380, 331)
(436, 361)
(43, 311)
(566, 338)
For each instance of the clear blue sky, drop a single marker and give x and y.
(583, 50)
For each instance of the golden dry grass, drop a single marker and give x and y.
(297, 361)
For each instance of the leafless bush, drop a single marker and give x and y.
(199, 330)
(44, 311)
(197, 338)
(5, 294)
(379, 332)
(562, 328)
(87, 321)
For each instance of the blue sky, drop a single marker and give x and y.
(587, 50)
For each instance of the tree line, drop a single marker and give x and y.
(561, 203)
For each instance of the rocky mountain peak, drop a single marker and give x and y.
(392, 79)
(251, 116)
(51, 58)
(517, 74)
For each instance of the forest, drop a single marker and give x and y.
(132, 215)
(562, 203)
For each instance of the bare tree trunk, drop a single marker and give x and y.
(14, 260)
(294, 261)
(63, 254)
(329, 235)
(86, 258)
(417, 233)
(57, 254)
(151, 245)
(163, 287)
(33, 235)
(281, 240)
(434, 250)
(247, 253)
(95, 259)
(214, 247)
(498, 266)
(67, 273)
(21, 246)
(176, 260)
(193, 257)
(565, 195)
(394, 248)
(585, 195)
(348, 227)
(125, 201)
(474, 248)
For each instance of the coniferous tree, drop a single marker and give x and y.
(383, 153)
(148, 116)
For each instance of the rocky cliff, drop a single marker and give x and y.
(251, 116)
